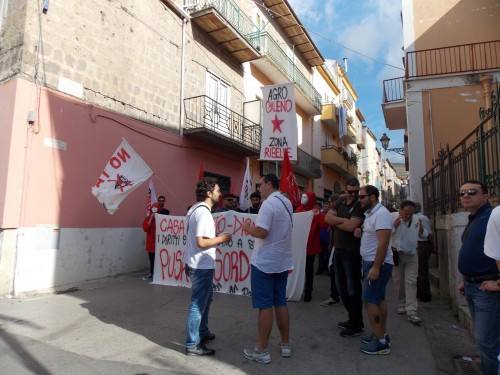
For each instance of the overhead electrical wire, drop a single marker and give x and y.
(260, 4)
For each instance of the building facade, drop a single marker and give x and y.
(182, 84)
(452, 58)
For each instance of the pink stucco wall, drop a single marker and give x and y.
(45, 185)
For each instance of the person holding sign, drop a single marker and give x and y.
(270, 263)
(199, 259)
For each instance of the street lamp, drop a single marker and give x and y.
(385, 144)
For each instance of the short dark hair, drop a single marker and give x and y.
(160, 197)
(484, 188)
(255, 194)
(275, 183)
(371, 190)
(352, 182)
(204, 186)
(406, 203)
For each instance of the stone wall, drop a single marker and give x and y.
(125, 54)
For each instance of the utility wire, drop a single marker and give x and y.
(260, 4)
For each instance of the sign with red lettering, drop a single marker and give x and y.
(279, 122)
(124, 173)
(232, 264)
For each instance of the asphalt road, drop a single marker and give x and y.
(123, 325)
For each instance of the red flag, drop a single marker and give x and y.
(200, 175)
(288, 183)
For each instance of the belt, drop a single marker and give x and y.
(423, 241)
(480, 279)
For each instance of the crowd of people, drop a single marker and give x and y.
(357, 242)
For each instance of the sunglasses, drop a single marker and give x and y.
(361, 196)
(468, 192)
(350, 192)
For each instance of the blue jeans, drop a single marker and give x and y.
(201, 298)
(485, 312)
(347, 264)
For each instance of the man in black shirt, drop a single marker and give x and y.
(345, 216)
(161, 203)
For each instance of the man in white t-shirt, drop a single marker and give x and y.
(270, 263)
(199, 259)
(377, 268)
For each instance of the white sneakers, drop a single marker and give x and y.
(263, 356)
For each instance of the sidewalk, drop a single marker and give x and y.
(124, 325)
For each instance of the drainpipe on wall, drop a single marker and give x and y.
(181, 95)
(181, 13)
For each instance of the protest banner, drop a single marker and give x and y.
(232, 264)
(279, 122)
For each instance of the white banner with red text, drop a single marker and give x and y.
(232, 264)
(279, 122)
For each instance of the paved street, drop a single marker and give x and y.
(124, 325)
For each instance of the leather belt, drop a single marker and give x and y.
(480, 279)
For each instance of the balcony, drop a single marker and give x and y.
(394, 104)
(307, 164)
(339, 160)
(463, 58)
(212, 123)
(225, 22)
(350, 137)
(361, 141)
(278, 67)
(329, 117)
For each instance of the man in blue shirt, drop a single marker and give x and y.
(476, 268)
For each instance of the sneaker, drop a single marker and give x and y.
(330, 302)
(148, 278)
(375, 347)
(207, 338)
(199, 350)
(286, 350)
(345, 324)
(257, 356)
(366, 339)
(414, 318)
(401, 310)
(351, 331)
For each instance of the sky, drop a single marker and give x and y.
(355, 29)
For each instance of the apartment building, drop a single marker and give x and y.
(452, 64)
(181, 82)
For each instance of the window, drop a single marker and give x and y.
(217, 104)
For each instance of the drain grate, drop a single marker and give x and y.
(468, 365)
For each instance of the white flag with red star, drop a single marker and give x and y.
(279, 122)
(124, 173)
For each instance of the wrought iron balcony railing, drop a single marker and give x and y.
(308, 164)
(393, 90)
(204, 112)
(267, 46)
(453, 59)
(230, 11)
(477, 157)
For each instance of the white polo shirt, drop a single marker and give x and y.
(492, 238)
(378, 218)
(200, 224)
(273, 254)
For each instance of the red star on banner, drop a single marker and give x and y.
(277, 123)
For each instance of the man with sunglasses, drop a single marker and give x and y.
(161, 204)
(476, 268)
(345, 216)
